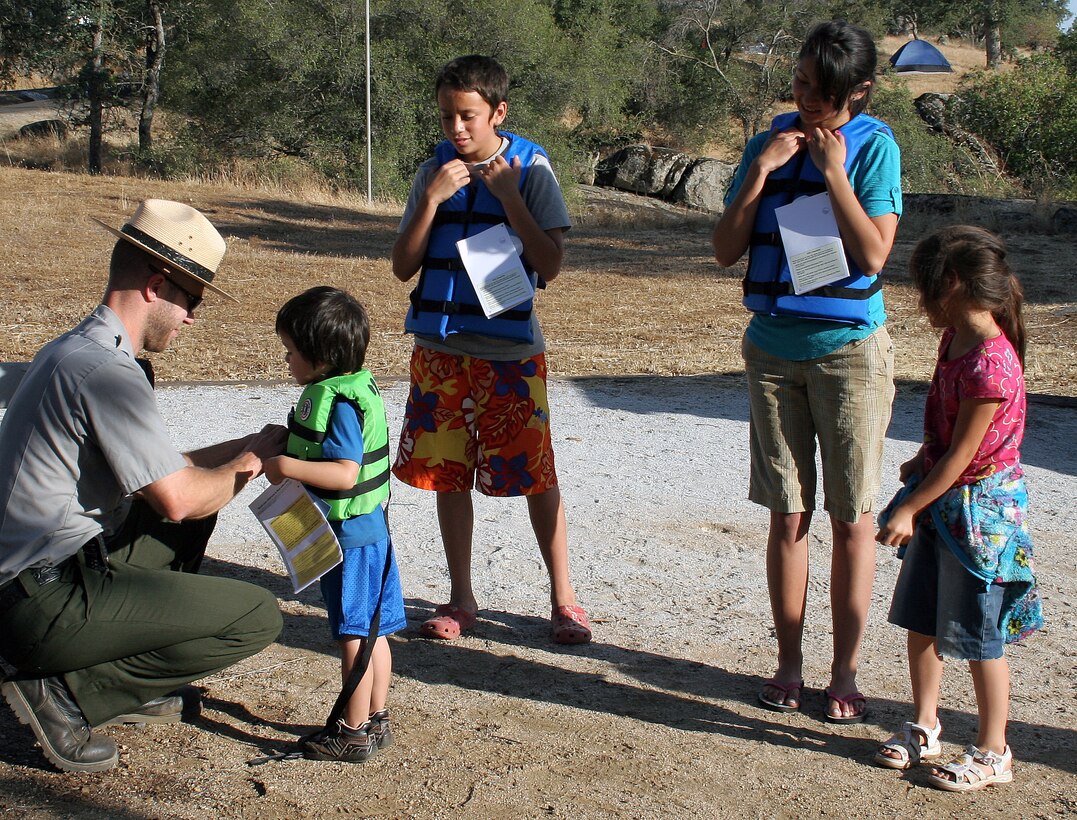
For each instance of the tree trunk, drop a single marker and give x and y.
(96, 103)
(993, 35)
(155, 58)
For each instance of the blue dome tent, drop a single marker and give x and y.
(919, 57)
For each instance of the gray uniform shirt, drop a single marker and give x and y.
(81, 433)
(542, 195)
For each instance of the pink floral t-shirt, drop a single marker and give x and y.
(990, 370)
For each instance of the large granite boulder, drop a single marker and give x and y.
(643, 169)
(929, 211)
(666, 174)
(703, 184)
(700, 183)
(45, 128)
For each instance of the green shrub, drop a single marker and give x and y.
(930, 162)
(1029, 115)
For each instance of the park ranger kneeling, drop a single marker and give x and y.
(103, 522)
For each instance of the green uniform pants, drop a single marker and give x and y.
(146, 626)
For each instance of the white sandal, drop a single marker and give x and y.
(967, 774)
(906, 744)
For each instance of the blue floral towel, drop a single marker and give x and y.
(984, 524)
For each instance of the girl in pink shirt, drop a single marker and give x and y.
(966, 586)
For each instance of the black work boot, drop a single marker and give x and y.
(342, 743)
(45, 705)
(379, 728)
(170, 708)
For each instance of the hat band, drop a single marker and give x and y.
(172, 255)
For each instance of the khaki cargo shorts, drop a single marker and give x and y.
(842, 401)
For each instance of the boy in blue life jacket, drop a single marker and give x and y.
(338, 446)
(477, 413)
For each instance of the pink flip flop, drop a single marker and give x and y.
(785, 689)
(448, 622)
(844, 700)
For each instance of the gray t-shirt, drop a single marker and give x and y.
(542, 195)
(81, 433)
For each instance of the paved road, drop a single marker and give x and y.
(17, 115)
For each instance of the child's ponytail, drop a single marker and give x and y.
(1010, 318)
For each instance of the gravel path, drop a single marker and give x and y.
(657, 718)
(654, 474)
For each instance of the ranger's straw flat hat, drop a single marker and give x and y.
(177, 234)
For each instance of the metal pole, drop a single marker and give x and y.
(369, 151)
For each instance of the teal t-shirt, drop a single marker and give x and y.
(875, 176)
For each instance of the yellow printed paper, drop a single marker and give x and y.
(297, 522)
(297, 525)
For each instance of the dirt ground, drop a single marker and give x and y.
(657, 718)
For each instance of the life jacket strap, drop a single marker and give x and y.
(788, 185)
(766, 238)
(466, 218)
(362, 487)
(443, 263)
(305, 433)
(376, 455)
(455, 265)
(786, 289)
(372, 457)
(462, 308)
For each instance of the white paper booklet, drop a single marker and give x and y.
(496, 270)
(812, 242)
(299, 528)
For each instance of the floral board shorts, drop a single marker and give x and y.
(476, 423)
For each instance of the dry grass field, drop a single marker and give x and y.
(640, 293)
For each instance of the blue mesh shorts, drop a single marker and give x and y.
(351, 589)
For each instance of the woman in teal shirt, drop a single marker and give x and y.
(819, 364)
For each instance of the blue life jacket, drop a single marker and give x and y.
(444, 301)
(768, 289)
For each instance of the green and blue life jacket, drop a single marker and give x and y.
(768, 289)
(444, 301)
(308, 424)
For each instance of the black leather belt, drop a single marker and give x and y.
(94, 555)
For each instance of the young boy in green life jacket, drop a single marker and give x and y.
(338, 447)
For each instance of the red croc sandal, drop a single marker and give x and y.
(570, 625)
(448, 622)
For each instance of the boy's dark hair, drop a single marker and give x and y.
(845, 59)
(328, 326)
(475, 73)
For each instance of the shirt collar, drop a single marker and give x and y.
(110, 327)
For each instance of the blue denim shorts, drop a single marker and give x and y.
(935, 595)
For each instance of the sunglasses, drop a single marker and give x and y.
(193, 300)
